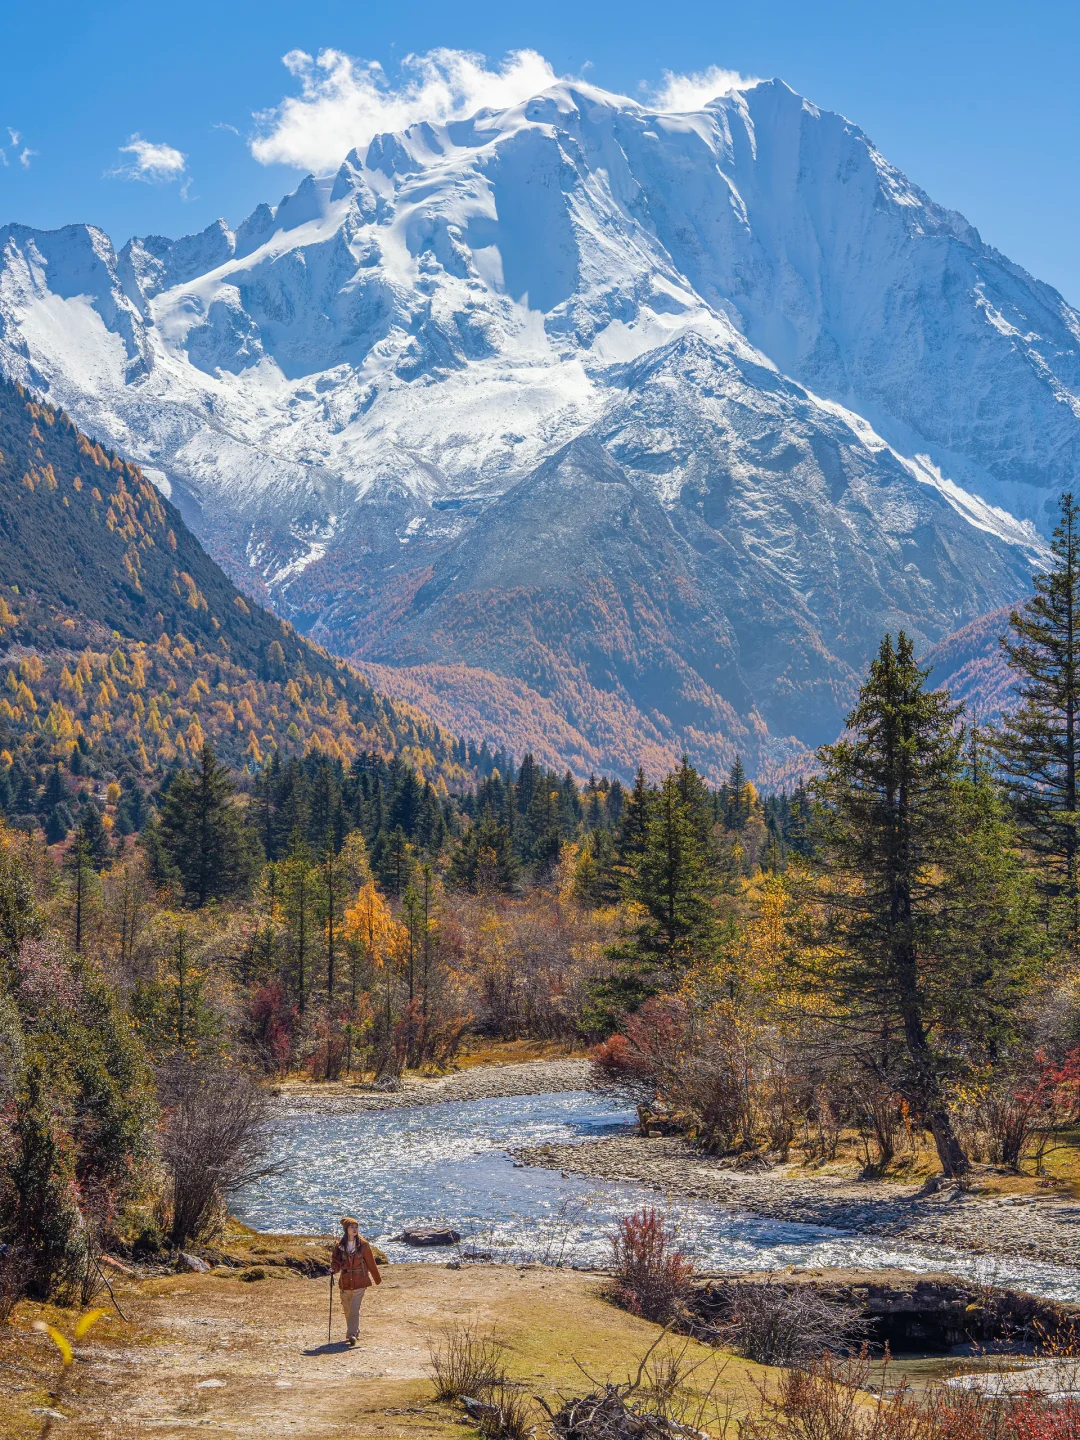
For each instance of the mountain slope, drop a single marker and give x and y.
(706, 624)
(971, 665)
(120, 629)
(353, 392)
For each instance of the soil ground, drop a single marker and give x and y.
(215, 1353)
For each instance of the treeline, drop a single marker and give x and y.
(915, 969)
(337, 918)
(128, 647)
(887, 957)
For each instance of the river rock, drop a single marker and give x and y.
(427, 1235)
(192, 1264)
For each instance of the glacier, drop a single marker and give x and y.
(829, 403)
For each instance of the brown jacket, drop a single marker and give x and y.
(357, 1270)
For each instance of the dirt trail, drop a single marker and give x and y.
(215, 1353)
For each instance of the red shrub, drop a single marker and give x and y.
(272, 1021)
(652, 1275)
(1032, 1421)
(617, 1059)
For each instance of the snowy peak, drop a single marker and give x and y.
(782, 344)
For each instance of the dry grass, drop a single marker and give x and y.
(466, 1361)
(190, 1328)
(1061, 1167)
(476, 1051)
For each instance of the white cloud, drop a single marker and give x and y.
(23, 157)
(680, 93)
(344, 102)
(150, 161)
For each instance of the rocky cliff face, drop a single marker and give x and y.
(656, 419)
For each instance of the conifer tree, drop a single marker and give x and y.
(928, 922)
(300, 905)
(737, 810)
(676, 881)
(1038, 745)
(204, 835)
(634, 826)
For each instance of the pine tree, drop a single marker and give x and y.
(928, 930)
(737, 810)
(634, 826)
(676, 882)
(1038, 746)
(204, 835)
(299, 885)
(484, 860)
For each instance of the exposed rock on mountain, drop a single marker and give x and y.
(659, 418)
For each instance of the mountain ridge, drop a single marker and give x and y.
(350, 385)
(122, 635)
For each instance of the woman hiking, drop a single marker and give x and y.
(354, 1262)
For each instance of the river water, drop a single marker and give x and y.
(448, 1163)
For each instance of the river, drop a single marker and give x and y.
(448, 1163)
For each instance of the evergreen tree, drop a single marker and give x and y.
(94, 835)
(299, 898)
(928, 918)
(598, 881)
(484, 859)
(633, 830)
(204, 835)
(737, 810)
(676, 881)
(1038, 745)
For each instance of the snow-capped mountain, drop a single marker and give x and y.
(658, 418)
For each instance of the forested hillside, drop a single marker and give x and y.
(123, 640)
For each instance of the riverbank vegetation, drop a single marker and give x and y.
(883, 958)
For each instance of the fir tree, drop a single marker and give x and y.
(676, 882)
(484, 859)
(633, 829)
(1038, 745)
(928, 919)
(737, 810)
(204, 835)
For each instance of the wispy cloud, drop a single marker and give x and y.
(344, 102)
(150, 161)
(23, 156)
(680, 93)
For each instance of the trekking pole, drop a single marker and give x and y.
(330, 1317)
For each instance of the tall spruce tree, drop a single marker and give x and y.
(204, 835)
(676, 880)
(929, 933)
(673, 872)
(1038, 746)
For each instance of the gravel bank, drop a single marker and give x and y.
(482, 1082)
(1040, 1228)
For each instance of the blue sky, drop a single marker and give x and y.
(140, 117)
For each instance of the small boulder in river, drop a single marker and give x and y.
(427, 1235)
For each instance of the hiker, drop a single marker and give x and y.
(354, 1261)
